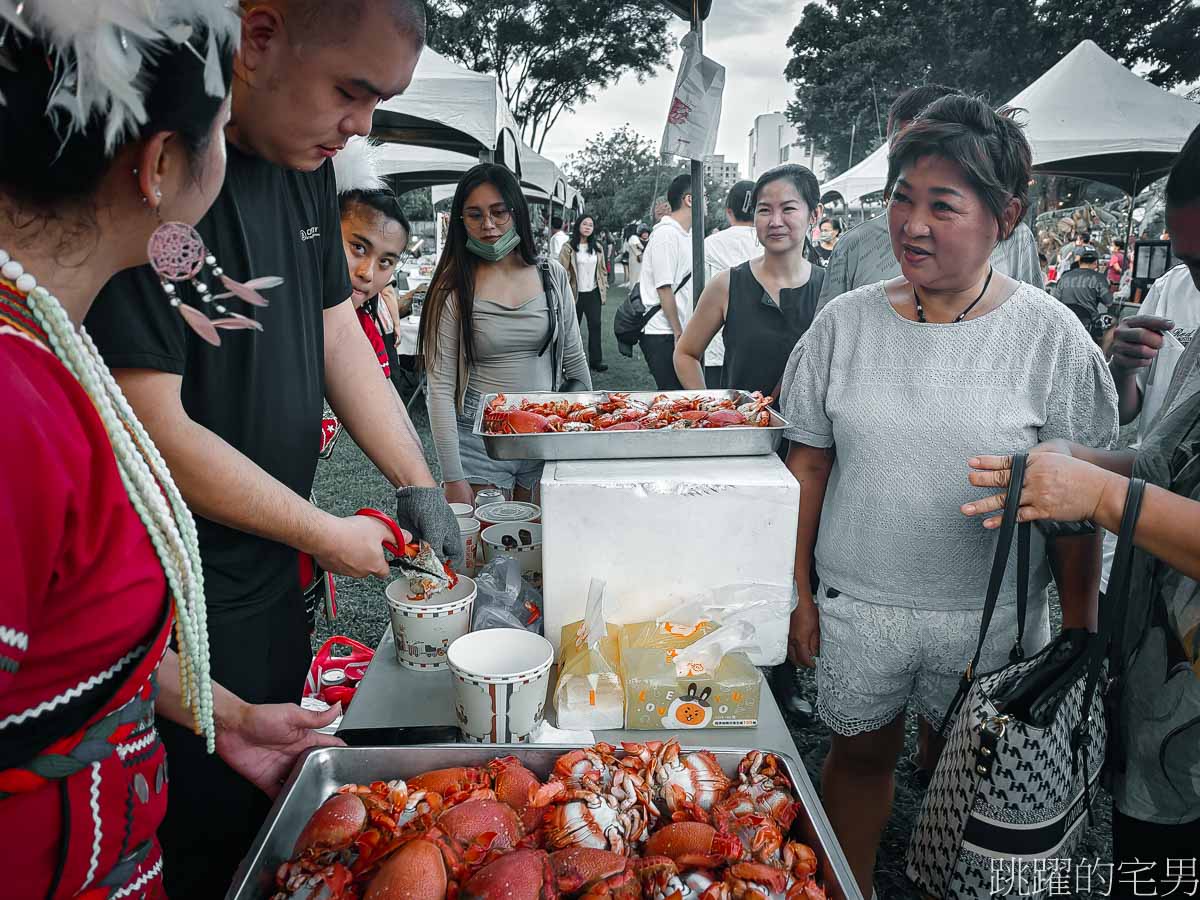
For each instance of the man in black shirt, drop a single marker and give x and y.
(239, 425)
(1085, 289)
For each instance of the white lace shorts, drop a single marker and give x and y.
(875, 660)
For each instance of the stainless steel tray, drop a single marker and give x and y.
(321, 772)
(732, 441)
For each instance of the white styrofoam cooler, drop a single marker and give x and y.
(659, 531)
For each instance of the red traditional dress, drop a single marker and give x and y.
(84, 622)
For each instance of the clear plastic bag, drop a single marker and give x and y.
(767, 607)
(590, 692)
(504, 599)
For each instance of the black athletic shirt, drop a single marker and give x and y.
(260, 392)
(759, 336)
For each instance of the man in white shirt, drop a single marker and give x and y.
(667, 281)
(863, 255)
(1146, 349)
(724, 250)
(636, 246)
(558, 237)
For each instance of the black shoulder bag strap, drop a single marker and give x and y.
(1109, 640)
(652, 311)
(1004, 538)
(551, 306)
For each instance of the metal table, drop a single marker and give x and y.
(395, 705)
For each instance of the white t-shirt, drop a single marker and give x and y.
(724, 250)
(585, 269)
(558, 240)
(633, 269)
(666, 260)
(1173, 296)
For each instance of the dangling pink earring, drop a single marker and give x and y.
(177, 253)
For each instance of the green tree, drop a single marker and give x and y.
(851, 58)
(417, 204)
(551, 55)
(619, 174)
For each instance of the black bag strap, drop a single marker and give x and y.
(1109, 640)
(1024, 533)
(551, 305)
(1008, 524)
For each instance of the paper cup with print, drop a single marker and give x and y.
(520, 540)
(462, 510)
(468, 529)
(425, 630)
(500, 681)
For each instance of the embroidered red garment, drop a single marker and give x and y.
(83, 605)
(371, 330)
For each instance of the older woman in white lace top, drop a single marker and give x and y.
(890, 390)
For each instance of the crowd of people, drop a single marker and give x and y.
(185, 283)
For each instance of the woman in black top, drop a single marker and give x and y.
(766, 304)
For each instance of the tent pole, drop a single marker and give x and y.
(697, 184)
(1128, 235)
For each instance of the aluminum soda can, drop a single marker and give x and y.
(489, 495)
(333, 676)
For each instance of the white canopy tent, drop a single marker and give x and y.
(868, 177)
(450, 107)
(1090, 117)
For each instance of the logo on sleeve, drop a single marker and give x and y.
(307, 234)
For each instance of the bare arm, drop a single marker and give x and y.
(223, 485)
(1074, 489)
(1075, 564)
(811, 467)
(666, 299)
(701, 328)
(368, 404)
(259, 741)
(217, 481)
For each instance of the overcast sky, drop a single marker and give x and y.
(747, 37)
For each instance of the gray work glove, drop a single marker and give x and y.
(425, 512)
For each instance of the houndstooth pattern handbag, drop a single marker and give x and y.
(1008, 799)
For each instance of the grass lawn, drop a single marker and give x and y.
(348, 482)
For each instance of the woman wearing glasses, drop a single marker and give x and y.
(497, 319)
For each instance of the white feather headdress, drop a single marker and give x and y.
(98, 47)
(356, 167)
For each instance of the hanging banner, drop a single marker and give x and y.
(695, 111)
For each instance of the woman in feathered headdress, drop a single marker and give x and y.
(111, 145)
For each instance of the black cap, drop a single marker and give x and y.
(1089, 255)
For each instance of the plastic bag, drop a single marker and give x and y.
(504, 599)
(704, 681)
(590, 693)
(767, 607)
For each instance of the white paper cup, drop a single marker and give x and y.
(424, 631)
(528, 555)
(468, 527)
(500, 681)
(507, 512)
(462, 510)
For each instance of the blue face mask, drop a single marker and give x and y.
(497, 251)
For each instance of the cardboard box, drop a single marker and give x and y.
(658, 531)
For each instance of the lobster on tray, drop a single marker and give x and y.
(620, 412)
(645, 821)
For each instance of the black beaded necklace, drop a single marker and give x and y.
(962, 315)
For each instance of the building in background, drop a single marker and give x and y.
(774, 141)
(725, 174)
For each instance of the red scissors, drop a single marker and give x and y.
(401, 538)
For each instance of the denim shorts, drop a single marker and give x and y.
(480, 468)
